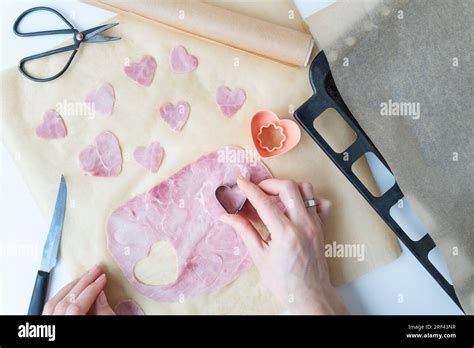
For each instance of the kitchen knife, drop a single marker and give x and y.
(50, 253)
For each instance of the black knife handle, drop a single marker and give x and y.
(40, 291)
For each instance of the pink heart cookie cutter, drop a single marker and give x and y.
(273, 136)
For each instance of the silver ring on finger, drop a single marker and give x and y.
(310, 203)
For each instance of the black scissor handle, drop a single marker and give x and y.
(77, 41)
(21, 66)
(44, 32)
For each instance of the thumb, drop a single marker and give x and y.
(101, 305)
(247, 232)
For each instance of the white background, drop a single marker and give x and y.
(401, 287)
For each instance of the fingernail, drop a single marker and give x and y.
(224, 218)
(101, 278)
(102, 298)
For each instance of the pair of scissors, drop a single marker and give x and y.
(86, 36)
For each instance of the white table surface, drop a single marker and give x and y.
(401, 287)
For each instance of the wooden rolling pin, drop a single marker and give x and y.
(230, 28)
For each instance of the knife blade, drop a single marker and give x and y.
(50, 252)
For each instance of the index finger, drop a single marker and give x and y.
(289, 194)
(87, 297)
(89, 277)
(49, 307)
(266, 208)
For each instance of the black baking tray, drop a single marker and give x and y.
(325, 96)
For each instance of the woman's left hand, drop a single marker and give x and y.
(82, 296)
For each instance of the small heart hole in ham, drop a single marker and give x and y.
(231, 198)
(159, 267)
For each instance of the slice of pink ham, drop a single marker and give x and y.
(175, 115)
(181, 61)
(143, 71)
(183, 211)
(102, 99)
(149, 157)
(104, 158)
(52, 127)
(128, 307)
(230, 101)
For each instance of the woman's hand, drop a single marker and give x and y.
(292, 263)
(85, 295)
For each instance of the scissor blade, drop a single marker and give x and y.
(102, 38)
(51, 246)
(89, 33)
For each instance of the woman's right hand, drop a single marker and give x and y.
(292, 262)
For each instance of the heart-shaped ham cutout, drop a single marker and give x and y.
(181, 61)
(175, 115)
(104, 158)
(230, 101)
(231, 198)
(149, 157)
(128, 307)
(102, 99)
(143, 71)
(265, 120)
(52, 126)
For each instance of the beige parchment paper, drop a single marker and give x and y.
(136, 121)
(415, 56)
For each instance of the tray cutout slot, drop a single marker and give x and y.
(335, 130)
(384, 178)
(405, 216)
(436, 258)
